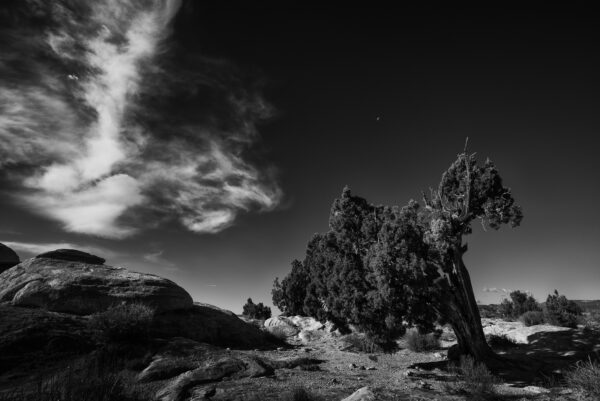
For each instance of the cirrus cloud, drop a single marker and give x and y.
(109, 129)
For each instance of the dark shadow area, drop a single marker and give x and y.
(542, 361)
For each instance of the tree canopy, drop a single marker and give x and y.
(383, 268)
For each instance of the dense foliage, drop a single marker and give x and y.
(256, 311)
(560, 311)
(383, 268)
(519, 303)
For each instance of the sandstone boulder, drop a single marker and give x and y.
(8, 258)
(517, 331)
(281, 324)
(210, 324)
(362, 394)
(73, 255)
(75, 287)
(306, 323)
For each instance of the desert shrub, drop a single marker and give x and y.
(519, 303)
(476, 379)
(500, 341)
(560, 311)
(123, 323)
(418, 342)
(532, 318)
(256, 311)
(590, 321)
(489, 311)
(361, 343)
(585, 376)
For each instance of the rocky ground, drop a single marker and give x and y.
(195, 351)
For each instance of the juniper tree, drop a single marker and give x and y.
(381, 267)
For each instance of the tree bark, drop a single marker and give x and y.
(463, 315)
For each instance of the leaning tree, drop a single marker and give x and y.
(382, 268)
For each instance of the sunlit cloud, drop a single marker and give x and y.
(107, 135)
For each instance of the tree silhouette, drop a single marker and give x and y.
(382, 268)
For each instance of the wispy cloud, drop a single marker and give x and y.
(34, 249)
(107, 128)
(158, 259)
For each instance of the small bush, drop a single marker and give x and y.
(123, 323)
(532, 318)
(590, 321)
(362, 343)
(519, 303)
(256, 311)
(418, 342)
(477, 380)
(560, 311)
(585, 376)
(500, 341)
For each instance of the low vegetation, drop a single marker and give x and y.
(518, 304)
(418, 342)
(256, 311)
(128, 322)
(585, 376)
(88, 379)
(532, 318)
(561, 311)
(361, 343)
(497, 341)
(474, 379)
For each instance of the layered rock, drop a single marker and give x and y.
(8, 258)
(73, 255)
(59, 285)
(210, 324)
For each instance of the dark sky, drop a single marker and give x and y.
(382, 100)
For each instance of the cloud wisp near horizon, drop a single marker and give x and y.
(111, 128)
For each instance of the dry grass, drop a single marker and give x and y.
(475, 380)
(361, 343)
(585, 376)
(82, 381)
(418, 342)
(500, 341)
(123, 323)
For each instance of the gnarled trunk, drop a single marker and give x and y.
(463, 314)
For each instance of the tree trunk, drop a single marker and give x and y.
(463, 315)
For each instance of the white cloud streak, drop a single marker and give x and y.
(93, 162)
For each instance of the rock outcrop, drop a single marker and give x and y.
(75, 287)
(517, 331)
(209, 324)
(362, 394)
(73, 255)
(8, 258)
(281, 324)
